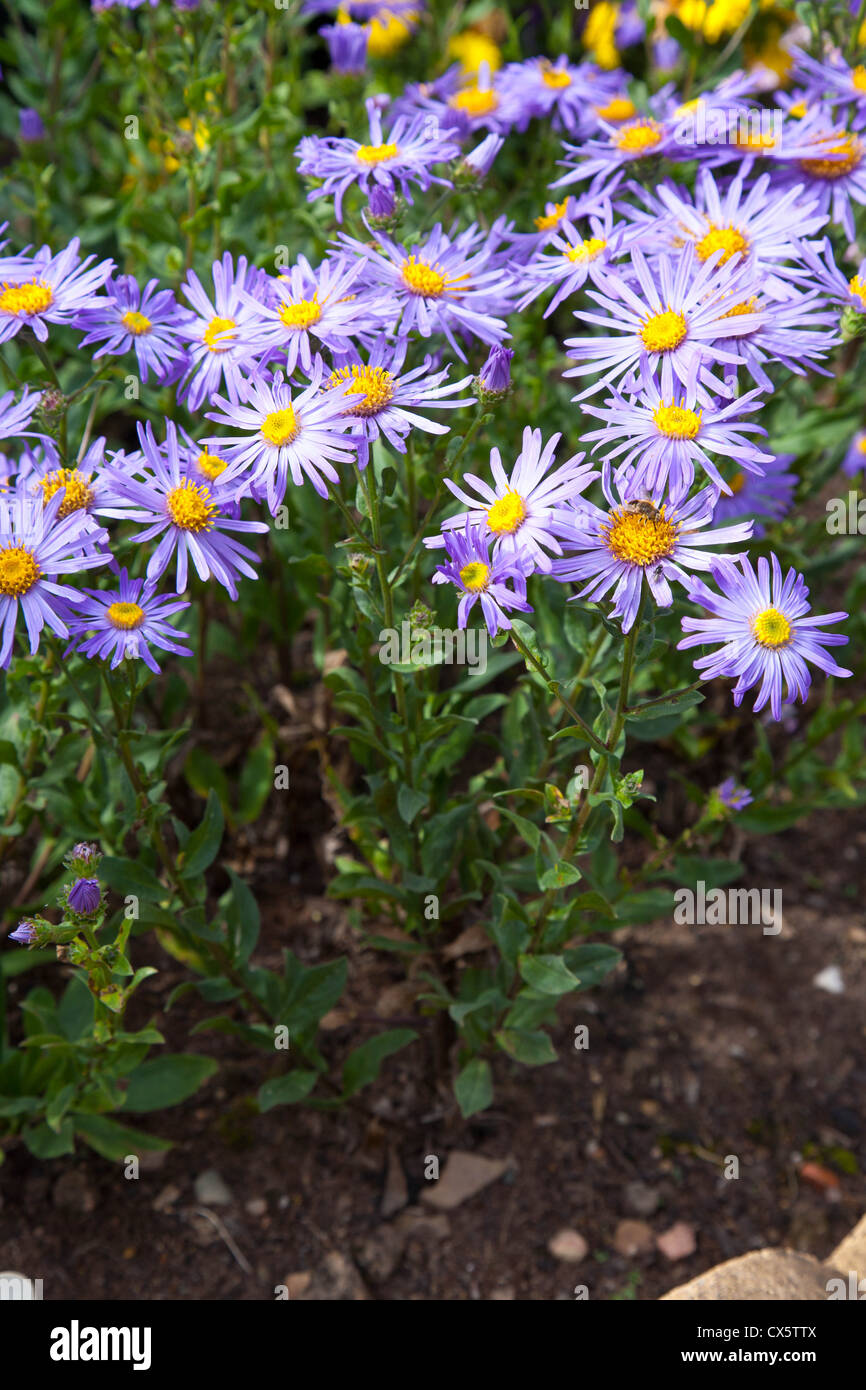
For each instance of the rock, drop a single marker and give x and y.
(396, 1193)
(851, 1253)
(762, 1276)
(256, 1206)
(416, 1222)
(380, 1254)
(298, 1283)
(464, 1175)
(72, 1192)
(338, 1281)
(568, 1246)
(816, 1175)
(152, 1160)
(505, 1294)
(678, 1242)
(633, 1238)
(830, 979)
(166, 1198)
(211, 1191)
(641, 1199)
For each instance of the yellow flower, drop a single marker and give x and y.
(471, 49)
(386, 32)
(599, 34)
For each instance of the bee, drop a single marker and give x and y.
(642, 506)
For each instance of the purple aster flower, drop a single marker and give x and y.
(764, 229)
(569, 259)
(494, 379)
(347, 45)
(765, 497)
(15, 416)
(839, 289)
(131, 318)
(280, 433)
(833, 172)
(607, 159)
(520, 513)
(854, 461)
(189, 515)
(34, 548)
(789, 331)
(39, 289)
(218, 331)
(125, 622)
(441, 285)
(765, 635)
(382, 205)
(768, 135)
(734, 797)
(483, 580)
(485, 102)
(832, 78)
(307, 308)
(404, 157)
(83, 855)
(381, 399)
(30, 125)
(665, 438)
(635, 540)
(676, 322)
(85, 895)
(558, 92)
(25, 933)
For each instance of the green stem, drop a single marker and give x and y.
(592, 738)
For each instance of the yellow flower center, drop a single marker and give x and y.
(587, 251)
(555, 77)
(475, 576)
(302, 314)
(858, 77)
(689, 108)
(281, 426)
(617, 110)
(754, 140)
(211, 465)
(737, 483)
(217, 337)
(638, 539)
(771, 628)
(79, 495)
(507, 514)
(136, 323)
(861, 444)
(549, 220)
(374, 384)
(664, 332)
(377, 154)
(386, 33)
(475, 101)
(427, 280)
(638, 139)
(851, 150)
(676, 421)
(798, 110)
(190, 507)
(725, 239)
(858, 289)
(32, 298)
(125, 616)
(18, 571)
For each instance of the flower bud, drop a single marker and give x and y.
(347, 45)
(85, 895)
(494, 379)
(30, 125)
(851, 324)
(25, 933)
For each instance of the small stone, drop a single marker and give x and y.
(641, 1199)
(678, 1242)
(72, 1192)
(569, 1246)
(256, 1206)
(505, 1294)
(166, 1198)
(381, 1252)
(211, 1191)
(298, 1283)
(338, 1281)
(830, 979)
(633, 1238)
(396, 1194)
(464, 1175)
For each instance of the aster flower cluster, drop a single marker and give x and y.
(693, 302)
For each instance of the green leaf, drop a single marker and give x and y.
(167, 1081)
(559, 875)
(44, 1143)
(362, 1065)
(664, 708)
(256, 781)
(76, 1009)
(534, 1049)
(114, 1141)
(591, 963)
(286, 1090)
(547, 973)
(410, 802)
(204, 842)
(129, 877)
(473, 1087)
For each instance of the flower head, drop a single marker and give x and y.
(734, 797)
(129, 319)
(482, 579)
(125, 623)
(42, 288)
